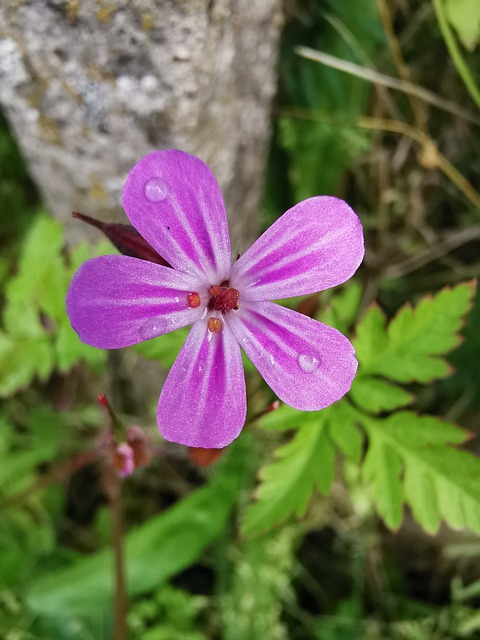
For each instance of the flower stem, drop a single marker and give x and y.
(455, 53)
(120, 604)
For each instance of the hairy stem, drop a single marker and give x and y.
(120, 604)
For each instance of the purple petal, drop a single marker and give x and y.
(307, 364)
(174, 201)
(315, 245)
(203, 402)
(115, 301)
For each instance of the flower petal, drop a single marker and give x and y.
(116, 301)
(174, 201)
(315, 245)
(203, 402)
(306, 363)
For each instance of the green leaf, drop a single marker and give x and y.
(439, 481)
(70, 349)
(344, 432)
(22, 360)
(343, 307)
(41, 273)
(164, 348)
(464, 15)
(38, 443)
(301, 466)
(154, 551)
(286, 417)
(376, 395)
(381, 468)
(409, 349)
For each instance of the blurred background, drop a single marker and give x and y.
(372, 101)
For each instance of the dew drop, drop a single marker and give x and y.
(153, 327)
(155, 190)
(308, 363)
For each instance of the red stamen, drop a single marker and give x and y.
(223, 298)
(214, 325)
(194, 300)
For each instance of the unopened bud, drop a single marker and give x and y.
(204, 457)
(140, 445)
(123, 459)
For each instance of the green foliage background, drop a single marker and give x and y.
(359, 521)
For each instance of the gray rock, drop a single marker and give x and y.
(89, 86)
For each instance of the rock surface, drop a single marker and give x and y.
(89, 86)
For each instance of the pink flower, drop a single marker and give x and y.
(175, 203)
(123, 460)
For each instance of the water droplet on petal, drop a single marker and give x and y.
(153, 327)
(155, 190)
(308, 363)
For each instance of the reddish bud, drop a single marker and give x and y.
(125, 238)
(140, 445)
(273, 406)
(309, 306)
(123, 459)
(103, 400)
(204, 457)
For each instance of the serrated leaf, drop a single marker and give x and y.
(376, 395)
(409, 349)
(40, 274)
(300, 467)
(286, 417)
(21, 320)
(343, 307)
(22, 360)
(344, 432)
(381, 469)
(439, 481)
(70, 349)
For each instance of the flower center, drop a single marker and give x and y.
(223, 298)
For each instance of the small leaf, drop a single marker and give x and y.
(300, 467)
(439, 481)
(22, 360)
(39, 269)
(381, 468)
(286, 417)
(343, 306)
(344, 432)
(409, 350)
(70, 349)
(375, 395)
